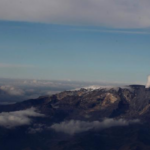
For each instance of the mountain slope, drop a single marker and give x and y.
(91, 119)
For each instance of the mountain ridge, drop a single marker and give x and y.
(79, 119)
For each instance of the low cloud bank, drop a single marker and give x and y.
(11, 90)
(75, 126)
(18, 118)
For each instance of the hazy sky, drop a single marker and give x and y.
(90, 40)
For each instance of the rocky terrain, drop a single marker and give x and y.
(84, 119)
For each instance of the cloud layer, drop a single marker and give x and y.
(76, 126)
(18, 118)
(11, 90)
(113, 13)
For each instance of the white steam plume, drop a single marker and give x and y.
(148, 82)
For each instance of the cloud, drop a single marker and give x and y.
(112, 31)
(106, 87)
(76, 126)
(18, 118)
(11, 90)
(112, 13)
(37, 128)
(148, 82)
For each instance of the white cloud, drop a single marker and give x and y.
(76, 126)
(106, 88)
(114, 13)
(148, 82)
(18, 118)
(11, 90)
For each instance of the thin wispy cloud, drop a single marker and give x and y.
(18, 118)
(111, 13)
(112, 31)
(76, 126)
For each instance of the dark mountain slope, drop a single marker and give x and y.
(86, 106)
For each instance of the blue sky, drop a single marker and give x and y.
(75, 50)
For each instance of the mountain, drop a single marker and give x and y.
(89, 118)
